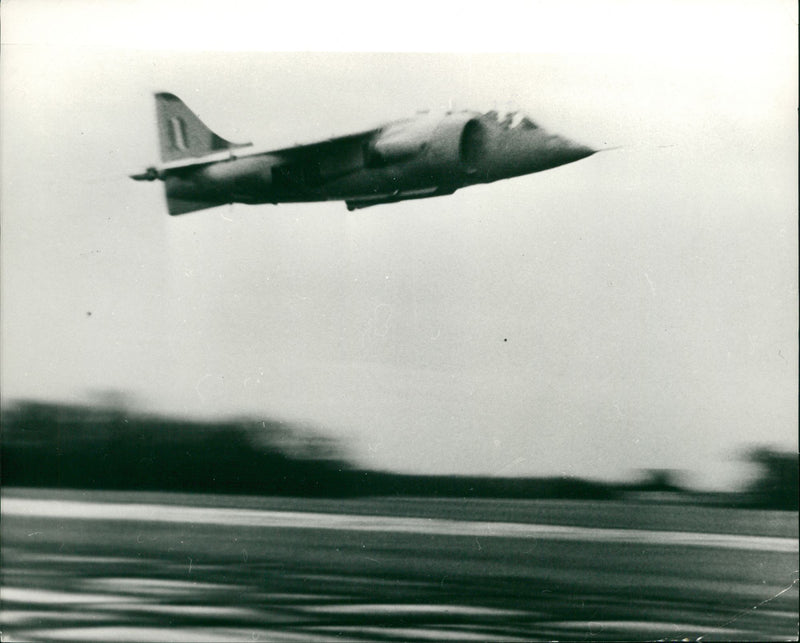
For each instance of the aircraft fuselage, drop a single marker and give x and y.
(427, 155)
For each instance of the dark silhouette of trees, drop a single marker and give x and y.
(111, 447)
(107, 444)
(777, 486)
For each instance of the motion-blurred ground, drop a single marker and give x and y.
(136, 566)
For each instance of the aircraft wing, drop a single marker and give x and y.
(309, 150)
(326, 159)
(331, 151)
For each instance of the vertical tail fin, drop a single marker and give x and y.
(181, 134)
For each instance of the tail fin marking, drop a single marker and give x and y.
(182, 135)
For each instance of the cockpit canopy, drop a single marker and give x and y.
(512, 120)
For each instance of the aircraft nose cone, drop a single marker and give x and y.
(570, 150)
(558, 150)
(582, 151)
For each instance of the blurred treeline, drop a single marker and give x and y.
(110, 446)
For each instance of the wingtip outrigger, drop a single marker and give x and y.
(150, 174)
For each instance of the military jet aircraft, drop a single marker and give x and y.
(423, 156)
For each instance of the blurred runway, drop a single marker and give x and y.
(88, 566)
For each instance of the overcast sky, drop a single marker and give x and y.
(636, 309)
